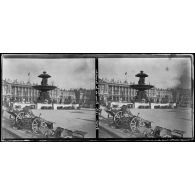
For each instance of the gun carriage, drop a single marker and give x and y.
(122, 117)
(25, 119)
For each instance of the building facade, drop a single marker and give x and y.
(110, 90)
(183, 97)
(67, 96)
(16, 91)
(24, 92)
(115, 91)
(6, 90)
(157, 95)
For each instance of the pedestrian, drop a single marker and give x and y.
(100, 111)
(109, 107)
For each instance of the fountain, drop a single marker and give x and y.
(141, 87)
(44, 89)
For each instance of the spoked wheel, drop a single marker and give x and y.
(20, 116)
(38, 124)
(35, 125)
(43, 125)
(44, 129)
(118, 118)
(141, 122)
(134, 124)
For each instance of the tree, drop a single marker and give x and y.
(77, 95)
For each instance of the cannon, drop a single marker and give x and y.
(122, 117)
(25, 119)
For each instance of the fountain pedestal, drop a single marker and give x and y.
(43, 97)
(141, 95)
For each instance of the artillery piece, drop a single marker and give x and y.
(25, 119)
(122, 117)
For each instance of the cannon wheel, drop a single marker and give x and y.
(134, 124)
(117, 118)
(37, 124)
(141, 122)
(20, 116)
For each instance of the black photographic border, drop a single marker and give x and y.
(96, 56)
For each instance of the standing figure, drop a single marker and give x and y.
(141, 81)
(44, 82)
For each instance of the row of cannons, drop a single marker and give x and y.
(124, 119)
(25, 120)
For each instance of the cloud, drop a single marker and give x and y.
(66, 73)
(163, 72)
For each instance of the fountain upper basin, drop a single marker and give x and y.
(44, 88)
(141, 87)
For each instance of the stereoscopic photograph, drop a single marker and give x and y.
(146, 97)
(97, 97)
(46, 97)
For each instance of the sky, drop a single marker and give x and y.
(65, 73)
(163, 72)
